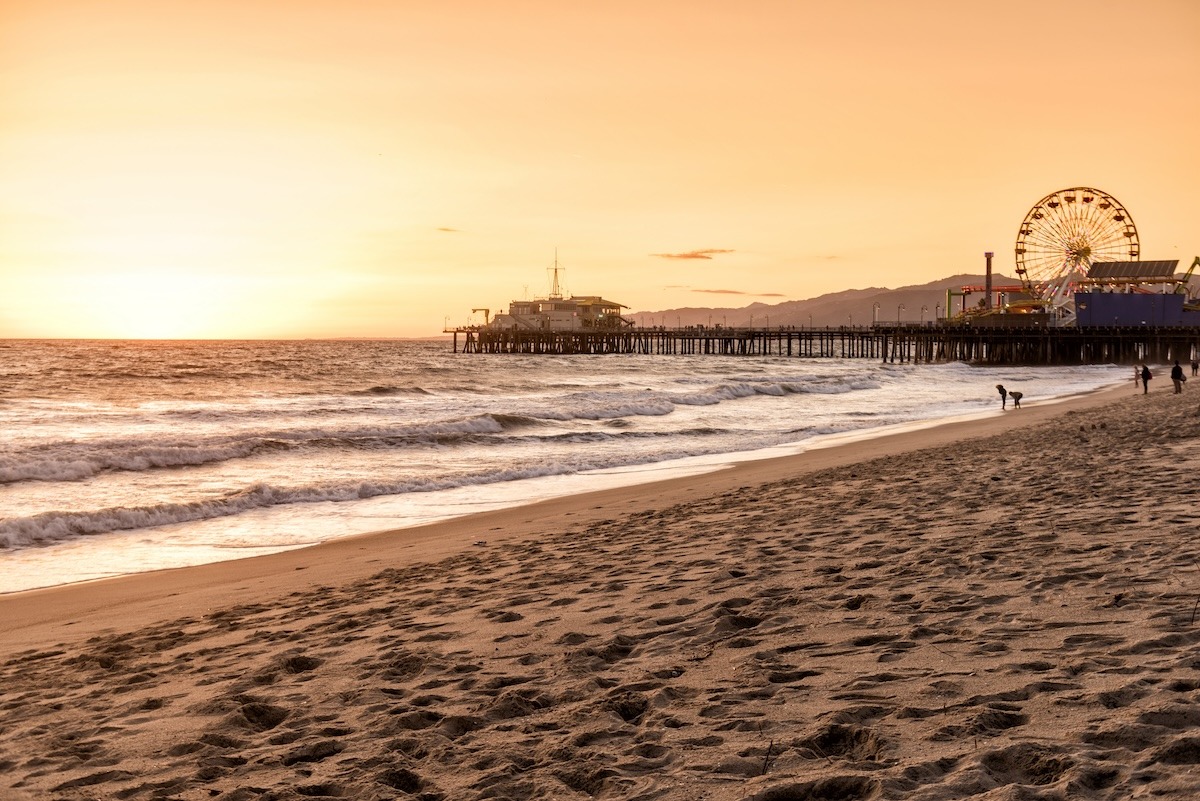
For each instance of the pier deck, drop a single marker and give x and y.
(892, 344)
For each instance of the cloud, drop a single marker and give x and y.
(738, 292)
(450, 230)
(692, 254)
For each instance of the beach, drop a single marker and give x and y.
(1003, 608)
(130, 457)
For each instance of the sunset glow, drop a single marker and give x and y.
(317, 169)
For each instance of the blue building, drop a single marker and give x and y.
(1133, 293)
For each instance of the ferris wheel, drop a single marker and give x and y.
(1064, 234)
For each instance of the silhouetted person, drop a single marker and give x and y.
(1177, 377)
(1016, 398)
(1003, 396)
(1195, 367)
(1146, 376)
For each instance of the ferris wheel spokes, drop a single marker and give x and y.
(1063, 234)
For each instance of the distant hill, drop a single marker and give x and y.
(838, 308)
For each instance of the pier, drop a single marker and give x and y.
(898, 344)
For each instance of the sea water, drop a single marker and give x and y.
(121, 457)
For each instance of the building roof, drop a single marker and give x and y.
(596, 300)
(1120, 271)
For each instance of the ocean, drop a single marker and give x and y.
(122, 457)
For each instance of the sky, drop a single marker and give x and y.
(379, 168)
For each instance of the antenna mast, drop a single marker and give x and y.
(555, 287)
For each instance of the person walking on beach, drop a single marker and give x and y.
(1003, 396)
(1177, 377)
(1146, 376)
(1195, 366)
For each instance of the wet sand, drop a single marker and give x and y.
(1002, 609)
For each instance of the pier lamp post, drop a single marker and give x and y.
(850, 317)
(923, 310)
(874, 314)
(899, 308)
(810, 321)
(937, 312)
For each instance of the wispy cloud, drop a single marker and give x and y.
(738, 292)
(692, 254)
(450, 230)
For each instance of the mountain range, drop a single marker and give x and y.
(916, 303)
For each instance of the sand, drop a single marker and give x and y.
(1005, 609)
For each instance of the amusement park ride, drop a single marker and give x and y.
(1077, 240)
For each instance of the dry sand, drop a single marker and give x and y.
(1000, 610)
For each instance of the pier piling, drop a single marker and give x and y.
(899, 344)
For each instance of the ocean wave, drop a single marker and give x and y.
(47, 527)
(53, 526)
(651, 407)
(726, 392)
(602, 406)
(390, 390)
(70, 461)
(715, 395)
(510, 421)
(596, 436)
(74, 463)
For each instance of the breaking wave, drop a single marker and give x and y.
(75, 461)
(53, 526)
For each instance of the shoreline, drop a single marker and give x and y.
(443, 537)
(86, 560)
(998, 608)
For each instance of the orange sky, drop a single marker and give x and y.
(309, 168)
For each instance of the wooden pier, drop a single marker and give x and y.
(892, 344)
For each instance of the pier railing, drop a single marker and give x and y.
(893, 344)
